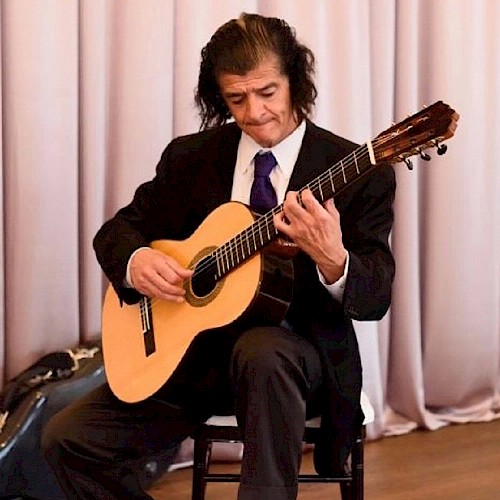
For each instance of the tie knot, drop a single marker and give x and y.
(264, 163)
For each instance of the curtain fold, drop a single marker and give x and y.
(93, 91)
(40, 155)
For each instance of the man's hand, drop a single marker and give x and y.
(157, 275)
(315, 228)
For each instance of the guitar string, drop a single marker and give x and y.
(346, 165)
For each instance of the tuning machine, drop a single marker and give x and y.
(424, 155)
(440, 148)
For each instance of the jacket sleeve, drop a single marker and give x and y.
(366, 231)
(134, 226)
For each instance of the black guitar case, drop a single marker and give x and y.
(26, 403)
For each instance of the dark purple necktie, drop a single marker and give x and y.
(262, 195)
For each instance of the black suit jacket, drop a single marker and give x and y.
(195, 175)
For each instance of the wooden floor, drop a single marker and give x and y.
(460, 462)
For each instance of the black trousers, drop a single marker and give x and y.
(266, 376)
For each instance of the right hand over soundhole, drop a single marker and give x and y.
(157, 275)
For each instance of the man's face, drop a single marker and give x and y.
(260, 103)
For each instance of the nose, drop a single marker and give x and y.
(254, 108)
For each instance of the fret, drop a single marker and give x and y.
(343, 171)
(232, 258)
(221, 267)
(371, 153)
(267, 229)
(322, 197)
(356, 162)
(241, 254)
(242, 246)
(220, 261)
(271, 230)
(248, 244)
(226, 269)
(235, 259)
(274, 231)
(217, 269)
(331, 180)
(243, 251)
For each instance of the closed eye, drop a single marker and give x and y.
(268, 91)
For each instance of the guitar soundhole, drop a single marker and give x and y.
(204, 286)
(204, 281)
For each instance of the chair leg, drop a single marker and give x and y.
(354, 490)
(358, 469)
(201, 459)
(359, 473)
(346, 491)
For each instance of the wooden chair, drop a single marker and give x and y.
(225, 429)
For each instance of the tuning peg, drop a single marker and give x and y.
(441, 149)
(409, 164)
(424, 156)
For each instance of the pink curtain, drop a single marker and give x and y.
(93, 91)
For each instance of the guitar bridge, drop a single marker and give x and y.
(147, 326)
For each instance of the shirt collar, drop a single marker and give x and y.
(285, 152)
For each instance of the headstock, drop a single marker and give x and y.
(427, 128)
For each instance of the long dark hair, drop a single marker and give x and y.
(237, 47)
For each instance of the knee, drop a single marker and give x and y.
(259, 351)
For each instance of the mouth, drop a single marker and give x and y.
(257, 124)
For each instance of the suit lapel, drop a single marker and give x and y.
(226, 162)
(214, 184)
(309, 162)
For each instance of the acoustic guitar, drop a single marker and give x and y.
(235, 274)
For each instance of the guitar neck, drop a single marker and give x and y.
(333, 181)
(262, 232)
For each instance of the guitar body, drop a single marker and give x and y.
(139, 360)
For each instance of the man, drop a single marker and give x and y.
(253, 70)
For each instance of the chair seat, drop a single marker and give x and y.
(230, 420)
